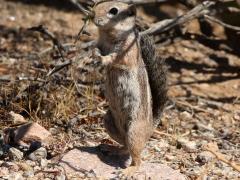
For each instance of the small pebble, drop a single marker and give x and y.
(189, 146)
(185, 115)
(44, 163)
(61, 177)
(17, 118)
(15, 176)
(53, 131)
(237, 116)
(169, 157)
(25, 167)
(204, 157)
(37, 168)
(38, 154)
(15, 154)
(4, 171)
(28, 174)
(30, 163)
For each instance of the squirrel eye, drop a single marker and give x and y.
(113, 11)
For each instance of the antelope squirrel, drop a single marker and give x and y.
(135, 82)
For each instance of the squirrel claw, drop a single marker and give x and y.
(96, 53)
(129, 171)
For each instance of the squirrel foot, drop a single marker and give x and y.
(129, 171)
(96, 54)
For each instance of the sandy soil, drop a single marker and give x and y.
(204, 90)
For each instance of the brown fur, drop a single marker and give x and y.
(129, 120)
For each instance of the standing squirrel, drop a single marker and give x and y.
(135, 78)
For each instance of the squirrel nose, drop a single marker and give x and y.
(99, 21)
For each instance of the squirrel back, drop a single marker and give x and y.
(157, 71)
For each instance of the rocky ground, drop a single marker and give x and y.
(200, 131)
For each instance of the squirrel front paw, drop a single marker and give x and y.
(96, 54)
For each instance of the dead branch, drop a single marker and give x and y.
(165, 25)
(211, 148)
(142, 1)
(88, 2)
(135, 1)
(83, 29)
(51, 36)
(81, 8)
(56, 43)
(59, 67)
(233, 10)
(186, 104)
(215, 20)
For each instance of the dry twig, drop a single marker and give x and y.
(142, 1)
(134, 1)
(214, 150)
(56, 43)
(213, 19)
(59, 67)
(81, 8)
(50, 35)
(186, 104)
(83, 29)
(168, 24)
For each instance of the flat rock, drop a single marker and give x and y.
(15, 153)
(38, 154)
(17, 118)
(90, 159)
(189, 146)
(31, 132)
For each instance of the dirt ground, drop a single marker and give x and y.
(204, 88)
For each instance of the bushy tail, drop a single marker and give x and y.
(157, 70)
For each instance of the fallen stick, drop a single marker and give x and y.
(51, 36)
(56, 43)
(165, 25)
(212, 149)
(59, 67)
(186, 104)
(215, 20)
(85, 11)
(142, 1)
(133, 1)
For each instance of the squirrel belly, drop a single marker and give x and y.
(129, 97)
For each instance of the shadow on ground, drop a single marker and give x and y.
(117, 161)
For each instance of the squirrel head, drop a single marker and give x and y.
(116, 16)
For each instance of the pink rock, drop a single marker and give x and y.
(17, 118)
(28, 133)
(83, 159)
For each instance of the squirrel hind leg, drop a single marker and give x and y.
(115, 135)
(136, 140)
(135, 153)
(134, 167)
(112, 130)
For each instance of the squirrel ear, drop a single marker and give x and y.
(132, 11)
